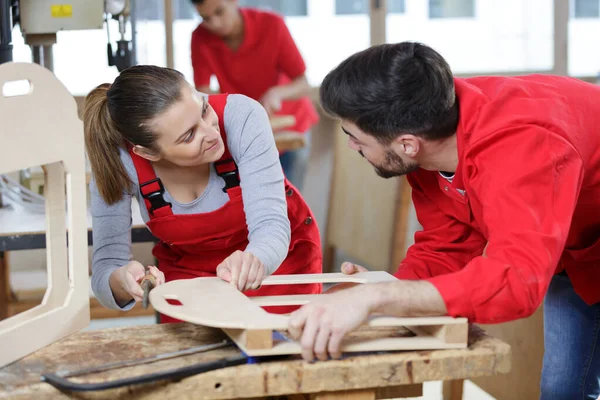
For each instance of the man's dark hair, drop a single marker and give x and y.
(197, 1)
(392, 89)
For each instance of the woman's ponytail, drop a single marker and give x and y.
(102, 141)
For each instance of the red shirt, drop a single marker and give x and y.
(529, 166)
(267, 57)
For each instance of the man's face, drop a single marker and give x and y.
(388, 160)
(219, 16)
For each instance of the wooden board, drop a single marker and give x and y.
(215, 303)
(279, 122)
(486, 356)
(362, 208)
(40, 128)
(289, 141)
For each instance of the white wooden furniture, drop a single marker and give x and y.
(41, 127)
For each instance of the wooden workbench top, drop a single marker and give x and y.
(485, 356)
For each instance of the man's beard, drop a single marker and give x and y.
(394, 165)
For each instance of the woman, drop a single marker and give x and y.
(206, 173)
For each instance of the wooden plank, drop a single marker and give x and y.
(279, 122)
(395, 392)
(249, 340)
(364, 394)
(364, 277)
(485, 356)
(450, 333)
(453, 390)
(289, 141)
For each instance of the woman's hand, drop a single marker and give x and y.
(243, 270)
(125, 281)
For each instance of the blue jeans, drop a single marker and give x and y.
(295, 163)
(571, 368)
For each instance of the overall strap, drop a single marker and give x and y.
(151, 187)
(226, 168)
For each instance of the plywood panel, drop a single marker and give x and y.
(46, 116)
(363, 208)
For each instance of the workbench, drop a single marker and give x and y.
(365, 376)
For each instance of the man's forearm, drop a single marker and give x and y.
(406, 298)
(299, 87)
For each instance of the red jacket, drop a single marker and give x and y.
(529, 166)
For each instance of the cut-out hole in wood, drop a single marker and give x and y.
(32, 290)
(173, 302)
(22, 87)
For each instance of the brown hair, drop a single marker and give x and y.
(117, 114)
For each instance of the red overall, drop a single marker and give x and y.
(192, 245)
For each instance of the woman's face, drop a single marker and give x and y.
(188, 131)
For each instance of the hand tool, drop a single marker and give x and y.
(59, 379)
(148, 282)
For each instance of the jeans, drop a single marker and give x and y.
(295, 163)
(571, 369)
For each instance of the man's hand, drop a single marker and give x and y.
(321, 325)
(243, 270)
(347, 269)
(271, 101)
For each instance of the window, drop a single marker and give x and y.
(584, 31)
(153, 10)
(347, 7)
(286, 8)
(451, 8)
(586, 8)
(502, 36)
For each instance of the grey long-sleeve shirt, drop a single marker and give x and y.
(252, 146)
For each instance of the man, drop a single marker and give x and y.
(505, 174)
(252, 52)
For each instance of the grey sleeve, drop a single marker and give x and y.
(112, 243)
(252, 146)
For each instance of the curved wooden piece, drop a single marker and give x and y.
(212, 302)
(215, 303)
